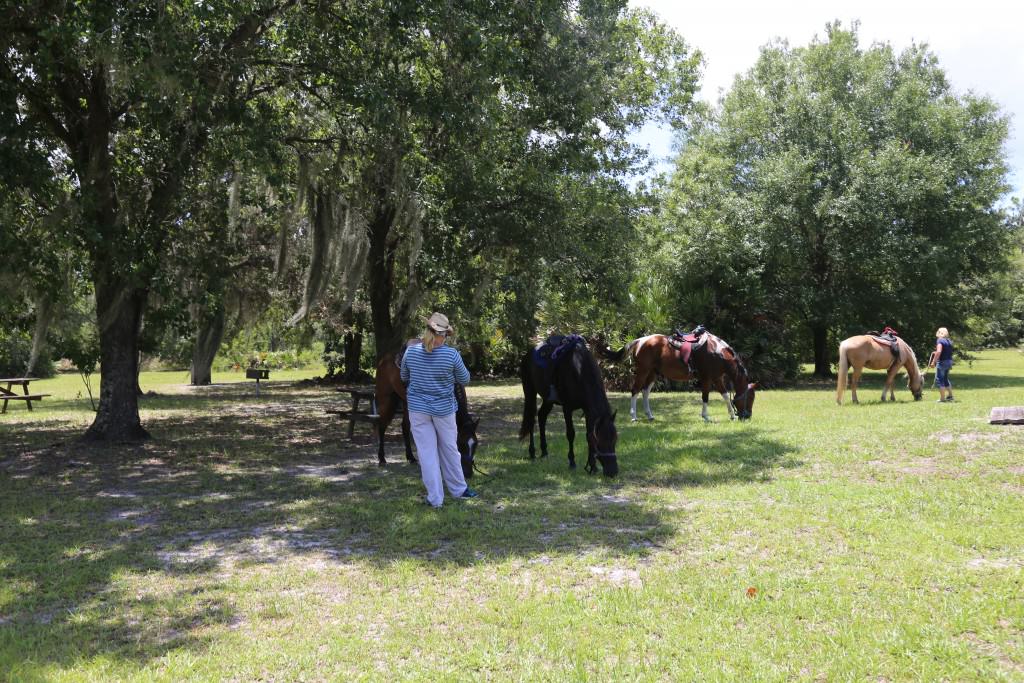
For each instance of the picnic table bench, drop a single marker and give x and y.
(355, 413)
(8, 394)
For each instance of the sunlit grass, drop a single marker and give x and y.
(249, 540)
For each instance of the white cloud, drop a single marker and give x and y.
(977, 43)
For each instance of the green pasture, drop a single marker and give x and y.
(249, 540)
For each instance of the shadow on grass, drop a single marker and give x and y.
(123, 551)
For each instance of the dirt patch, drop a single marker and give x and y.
(225, 548)
(618, 576)
(331, 473)
(992, 651)
(139, 518)
(920, 467)
(984, 563)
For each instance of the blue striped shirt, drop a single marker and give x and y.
(431, 378)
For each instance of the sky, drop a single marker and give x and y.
(979, 44)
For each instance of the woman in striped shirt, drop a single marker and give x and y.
(430, 370)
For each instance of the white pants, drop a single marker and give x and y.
(438, 453)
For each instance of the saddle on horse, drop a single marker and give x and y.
(685, 343)
(891, 338)
(548, 355)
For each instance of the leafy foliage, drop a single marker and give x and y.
(836, 190)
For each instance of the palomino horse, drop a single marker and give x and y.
(711, 361)
(864, 351)
(563, 371)
(390, 397)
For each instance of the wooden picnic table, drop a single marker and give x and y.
(8, 394)
(355, 413)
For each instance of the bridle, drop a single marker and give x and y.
(597, 455)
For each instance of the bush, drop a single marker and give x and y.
(234, 358)
(15, 347)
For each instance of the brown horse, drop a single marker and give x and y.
(864, 351)
(712, 362)
(390, 398)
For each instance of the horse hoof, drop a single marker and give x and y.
(633, 419)
(572, 466)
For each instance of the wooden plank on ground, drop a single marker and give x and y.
(1007, 415)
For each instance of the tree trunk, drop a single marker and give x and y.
(118, 311)
(822, 361)
(353, 349)
(44, 315)
(380, 274)
(208, 339)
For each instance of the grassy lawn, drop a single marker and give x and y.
(249, 540)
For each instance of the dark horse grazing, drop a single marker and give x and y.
(563, 371)
(703, 356)
(390, 396)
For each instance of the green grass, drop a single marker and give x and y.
(249, 540)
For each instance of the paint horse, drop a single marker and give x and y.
(391, 398)
(562, 371)
(699, 355)
(877, 353)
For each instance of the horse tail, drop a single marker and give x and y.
(616, 356)
(529, 397)
(844, 367)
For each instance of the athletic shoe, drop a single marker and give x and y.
(469, 493)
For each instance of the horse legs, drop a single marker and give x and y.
(647, 397)
(570, 436)
(704, 391)
(642, 383)
(728, 404)
(591, 460)
(385, 412)
(890, 381)
(382, 425)
(854, 381)
(542, 420)
(727, 398)
(407, 435)
(638, 385)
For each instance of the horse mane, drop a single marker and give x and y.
(592, 383)
(740, 375)
(462, 405)
(912, 363)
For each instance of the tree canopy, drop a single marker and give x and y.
(838, 189)
(422, 136)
